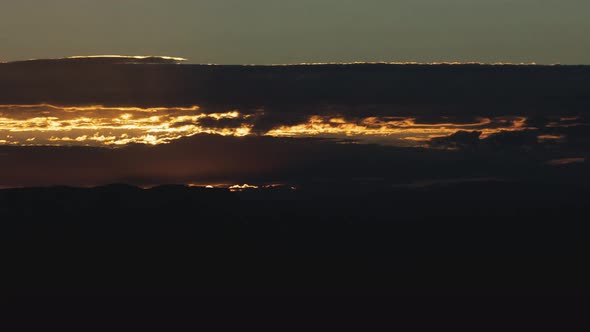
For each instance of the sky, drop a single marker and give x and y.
(271, 31)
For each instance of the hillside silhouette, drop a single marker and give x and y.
(480, 237)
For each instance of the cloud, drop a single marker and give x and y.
(458, 140)
(501, 90)
(243, 124)
(566, 161)
(512, 139)
(112, 126)
(207, 159)
(98, 125)
(109, 60)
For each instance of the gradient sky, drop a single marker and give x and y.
(271, 31)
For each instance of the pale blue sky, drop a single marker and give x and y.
(277, 31)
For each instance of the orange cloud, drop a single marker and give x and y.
(99, 125)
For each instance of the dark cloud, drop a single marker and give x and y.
(460, 139)
(220, 123)
(272, 119)
(458, 119)
(538, 121)
(501, 90)
(278, 96)
(513, 139)
(492, 116)
(204, 159)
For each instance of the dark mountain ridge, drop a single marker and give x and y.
(484, 237)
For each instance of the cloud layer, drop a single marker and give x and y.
(87, 123)
(115, 126)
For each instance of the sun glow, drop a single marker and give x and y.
(244, 187)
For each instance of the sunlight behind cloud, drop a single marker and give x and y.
(393, 130)
(96, 125)
(110, 126)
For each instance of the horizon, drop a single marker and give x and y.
(168, 59)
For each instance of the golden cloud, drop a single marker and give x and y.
(98, 125)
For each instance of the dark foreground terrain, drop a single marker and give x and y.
(490, 238)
